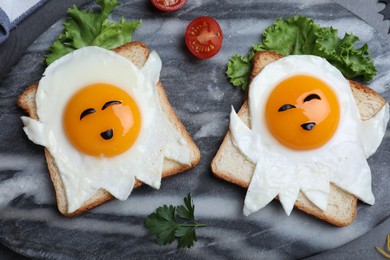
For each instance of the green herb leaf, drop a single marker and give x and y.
(300, 35)
(164, 224)
(186, 236)
(186, 211)
(86, 28)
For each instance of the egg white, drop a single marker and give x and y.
(283, 171)
(83, 175)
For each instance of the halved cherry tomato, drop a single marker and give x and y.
(168, 5)
(204, 37)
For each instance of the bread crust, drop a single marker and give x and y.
(227, 141)
(242, 176)
(262, 59)
(138, 53)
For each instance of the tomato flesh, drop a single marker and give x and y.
(168, 5)
(204, 37)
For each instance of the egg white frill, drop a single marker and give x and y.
(84, 175)
(284, 172)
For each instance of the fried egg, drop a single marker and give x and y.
(305, 132)
(101, 119)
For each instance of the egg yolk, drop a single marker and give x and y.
(302, 112)
(102, 120)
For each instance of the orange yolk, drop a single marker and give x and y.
(302, 112)
(102, 120)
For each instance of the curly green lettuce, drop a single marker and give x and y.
(87, 28)
(238, 70)
(300, 35)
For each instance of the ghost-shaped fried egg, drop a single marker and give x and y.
(101, 119)
(305, 132)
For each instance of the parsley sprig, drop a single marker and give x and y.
(169, 222)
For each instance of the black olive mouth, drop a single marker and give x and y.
(308, 126)
(107, 135)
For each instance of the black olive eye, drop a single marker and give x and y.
(110, 103)
(311, 96)
(107, 135)
(308, 126)
(286, 107)
(87, 112)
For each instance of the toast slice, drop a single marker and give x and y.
(231, 165)
(138, 53)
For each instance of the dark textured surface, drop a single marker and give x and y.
(386, 11)
(30, 223)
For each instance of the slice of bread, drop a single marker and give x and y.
(231, 165)
(138, 53)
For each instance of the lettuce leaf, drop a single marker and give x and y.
(238, 70)
(343, 55)
(86, 28)
(295, 35)
(300, 35)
